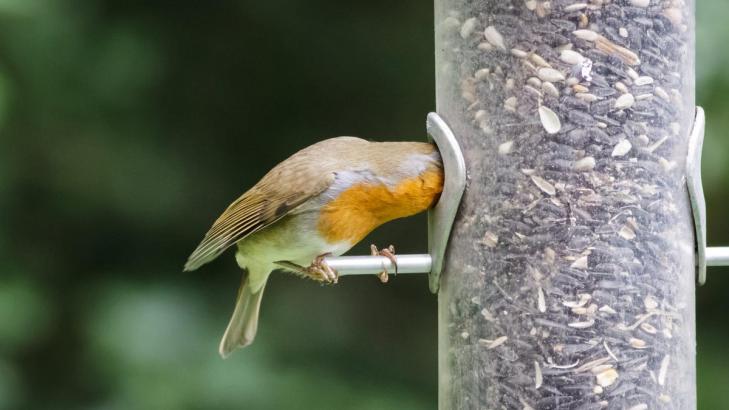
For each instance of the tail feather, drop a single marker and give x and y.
(243, 324)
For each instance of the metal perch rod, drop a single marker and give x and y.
(370, 265)
(421, 263)
(717, 256)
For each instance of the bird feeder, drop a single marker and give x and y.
(569, 276)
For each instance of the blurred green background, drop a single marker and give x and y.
(127, 126)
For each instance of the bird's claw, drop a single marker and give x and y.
(320, 271)
(389, 253)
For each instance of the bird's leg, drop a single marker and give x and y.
(389, 253)
(318, 270)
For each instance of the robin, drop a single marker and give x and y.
(319, 202)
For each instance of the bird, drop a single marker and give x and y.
(319, 202)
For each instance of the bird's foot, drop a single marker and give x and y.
(320, 271)
(389, 253)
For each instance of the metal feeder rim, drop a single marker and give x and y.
(705, 256)
(443, 214)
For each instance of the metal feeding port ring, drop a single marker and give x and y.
(440, 217)
(705, 256)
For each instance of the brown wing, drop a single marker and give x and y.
(289, 184)
(267, 202)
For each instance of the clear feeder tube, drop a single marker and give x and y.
(569, 281)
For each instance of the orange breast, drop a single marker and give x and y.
(363, 207)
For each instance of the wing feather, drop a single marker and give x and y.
(257, 209)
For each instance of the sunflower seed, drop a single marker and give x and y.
(571, 57)
(588, 35)
(494, 37)
(543, 184)
(550, 74)
(640, 3)
(505, 148)
(585, 164)
(468, 27)
(549, 120)
(624, 101)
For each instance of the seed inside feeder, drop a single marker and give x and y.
(580, 230)
(549, 120)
